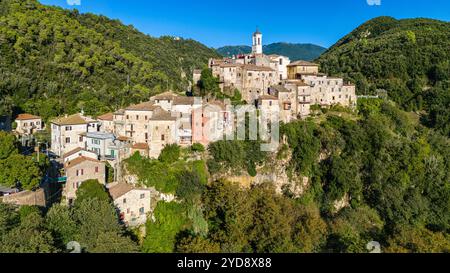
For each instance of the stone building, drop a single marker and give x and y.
(252, 74)
(296, 69)
(132, 204)
(80, 170)
(26, 198)
(106, 122)
(162, 132)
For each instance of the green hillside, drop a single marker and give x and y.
(58, 61)
(293, 51)
(228, 51)
(410, 59)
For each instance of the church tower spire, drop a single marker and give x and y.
(257, 42)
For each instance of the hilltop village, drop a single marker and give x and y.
(85, 147)
(266, 80)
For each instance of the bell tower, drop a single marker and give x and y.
(257, 42)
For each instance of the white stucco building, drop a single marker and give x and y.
(67, 132)
(28, 124)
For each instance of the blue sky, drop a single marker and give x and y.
(231, 22)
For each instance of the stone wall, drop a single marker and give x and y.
(26, 198)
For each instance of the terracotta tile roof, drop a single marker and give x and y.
(215, 103)
(80, 160)
(298, 82)
(182, 100)
(74, 151)
(145, 106)
(252, 67)
(107, 116)
(280, 88)
(27, 117)
(140, 146)
(119, 190)
(165, 96)
(268, 97)
(302, 63)
(123, 138)
(76, 119)
(163, 116)
(231, 65)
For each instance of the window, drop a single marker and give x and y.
(128, 117)
(146, 136)
(81, 139)
(124, 200)
(142, 195)
(77, 173)
(96, 169)
(67, 140)
(137, 117)
(146, 117)
(38, 122)
(142, 210)
(128, 211)
(82, 171)
(281, 61)
(163, 137)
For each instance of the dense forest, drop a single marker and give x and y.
(295, 52)
(56, 61)
(409, 59)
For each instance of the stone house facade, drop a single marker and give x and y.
(80, 170)
(132, 204)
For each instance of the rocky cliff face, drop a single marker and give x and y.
(276, 171)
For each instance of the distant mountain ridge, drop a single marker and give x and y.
(295, 52)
